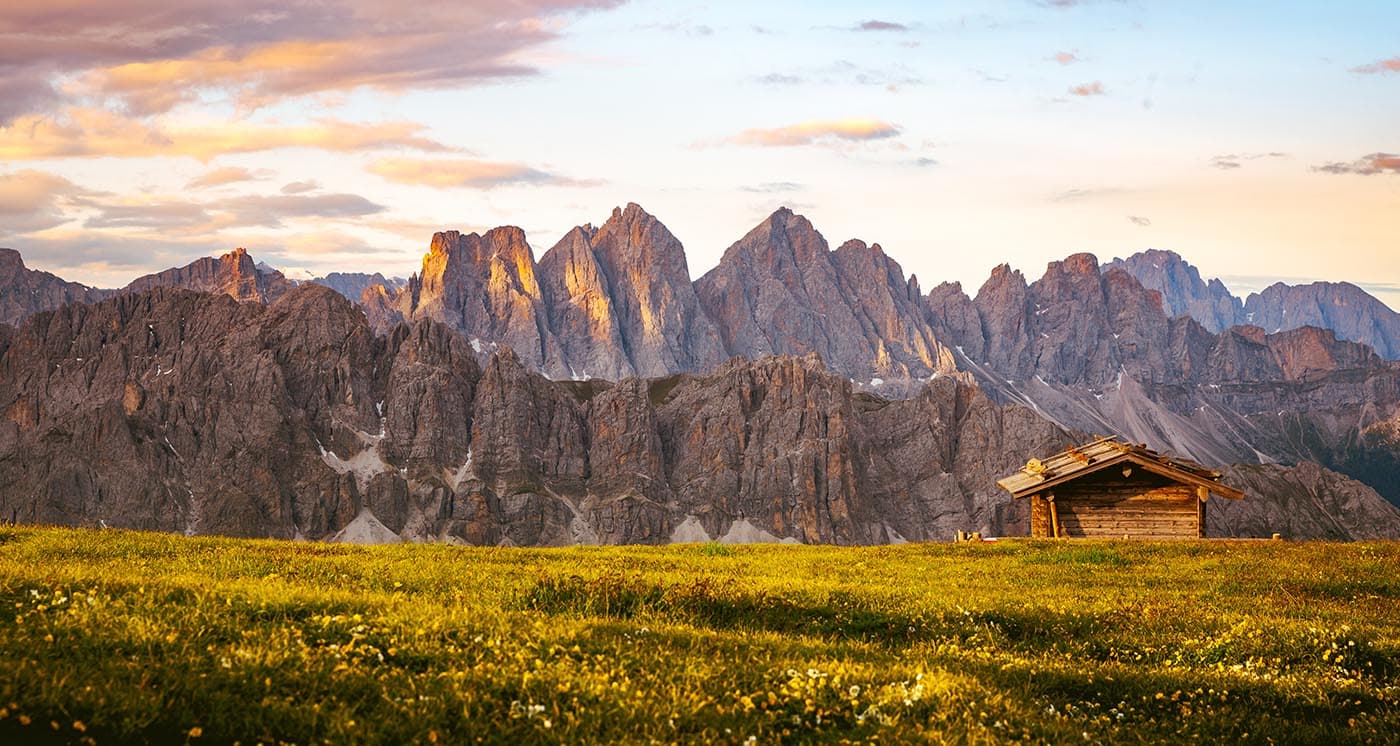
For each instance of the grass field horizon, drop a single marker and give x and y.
(114, 636)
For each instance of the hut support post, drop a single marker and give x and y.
(1054, 516)
(1201, 495)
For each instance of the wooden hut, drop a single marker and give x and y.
(1111, 489)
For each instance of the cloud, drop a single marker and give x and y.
(1066, 58)
(20, 95)
(678, 27)
(106, 259)
(35, 200)
(1231, 161)
(466, 173)
(874, 25)
(1369, 165)
(1140, 220)
(845, 72)
(81, 133)
(244, 211)
(300, 187)
(779, 79)
(151, 55)
(773, 187)
(226, 175)
(156, 215)
(817, 132)
(923, 162)
(1391, 65)
(1087, 89)
(1075, 195)
(270, 210)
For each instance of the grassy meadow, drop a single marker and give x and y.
(118, 637)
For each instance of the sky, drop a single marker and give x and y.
(1261, 141)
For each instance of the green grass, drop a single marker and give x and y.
(119, 637)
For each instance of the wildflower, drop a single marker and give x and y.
(196, 732)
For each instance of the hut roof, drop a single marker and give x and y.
(1074, 462)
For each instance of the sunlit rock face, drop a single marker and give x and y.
(484, 286)
(621, 301)
(659, 317)
(234, 274)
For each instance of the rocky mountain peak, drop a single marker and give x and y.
(24, 291)
(1183, 291)
(1343, 307)
(235, 274)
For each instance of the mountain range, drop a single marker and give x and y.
(794, 392)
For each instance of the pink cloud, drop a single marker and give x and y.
(1391, 65)
(1368, 165)
(465, 173)
(1087, 89)
(818, 131)
(95, 132)
(152, 55)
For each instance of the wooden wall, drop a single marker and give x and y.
(1108, 505)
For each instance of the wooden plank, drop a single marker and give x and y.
(1054, 518)
(1040, 518)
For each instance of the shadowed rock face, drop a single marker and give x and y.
(441, 427)
(177, 411)
(1096, 353)
(25, 292)
(1300, 502)
(1183, 291)
(780, 290)
(1340, 306)
(352, 285)
(234, 274)
(1350, 312)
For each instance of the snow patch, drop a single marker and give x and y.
(877, 381)
(365, 465)
(743, 532)
(689, 531)
(366, 529)
(464, 472)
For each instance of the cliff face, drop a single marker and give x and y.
(621, 301)
(1347, 310)
(781, 290)
(25, 292)
(1096, 353)
(1340, 306)
(234, 274)
(353, 285)
(423, 411)
(1183, 291)
(176, 411)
